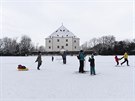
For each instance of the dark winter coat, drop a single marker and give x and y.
(92, 62)
(81, 56)
(64, 55)
(39, 60)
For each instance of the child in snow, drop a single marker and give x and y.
(92, 65)
(39, 60)
(117, 60)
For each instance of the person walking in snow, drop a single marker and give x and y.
(52, 58)
(92, 65)
(39, 60)
(81, 57)
(64, 57)
(125, 58)
(117, 60)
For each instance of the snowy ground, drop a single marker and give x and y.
(58, 82)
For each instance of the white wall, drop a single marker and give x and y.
(62, 42)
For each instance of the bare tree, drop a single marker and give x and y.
(41, 49)
(1, 46)
(13, 46)
(6, 45)
(84, 46)
(93, 42)
(25, 45)
(107, 41)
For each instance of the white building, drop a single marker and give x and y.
(61, 39)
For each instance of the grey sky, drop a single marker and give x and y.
(85, 18)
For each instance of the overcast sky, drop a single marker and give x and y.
(85, 18)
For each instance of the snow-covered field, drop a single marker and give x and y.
(58, 82)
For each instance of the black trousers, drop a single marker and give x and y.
(39, 64)
(126, 60)
(64, 60)
(81, 68)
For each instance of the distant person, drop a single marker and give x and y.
(92, 65)
(64, 57)
(52, 58)
(125, 58)
(81, 57)
(117, 60)
(39, 60)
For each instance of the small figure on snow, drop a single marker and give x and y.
(117, 60)
(52, 58)
(81, 57)
(125, 58)
(39, 60)
(92, 65)
(64, 57)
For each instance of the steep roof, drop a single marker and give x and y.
(62, 32)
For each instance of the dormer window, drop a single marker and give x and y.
(61, 30)
(66, 35)
(57, 35)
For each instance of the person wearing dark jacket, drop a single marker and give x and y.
(52, 58)
(81, 60)
(39, 60)
(92, 65)
(64, 57)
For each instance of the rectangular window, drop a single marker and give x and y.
(49, 47)
(62, 47)
(58, 40)
(66, 40)
(66, 44)
(49, 41)
(58, 46)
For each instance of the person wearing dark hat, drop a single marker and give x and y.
(39, 60)
(81, 57)
(92, 65)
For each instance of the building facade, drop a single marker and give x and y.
(62, 39)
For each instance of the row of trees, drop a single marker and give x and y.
(107, 45)
(10, 46)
